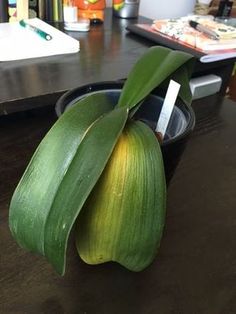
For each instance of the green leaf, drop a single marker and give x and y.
(37, 192)
(155, 66)
(182, 75)
(34, 194)
(84, 171)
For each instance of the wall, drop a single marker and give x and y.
(163, 8)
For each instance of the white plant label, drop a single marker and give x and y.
(167, 108)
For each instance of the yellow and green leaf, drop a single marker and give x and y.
(124, 216)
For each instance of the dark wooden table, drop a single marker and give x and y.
(107, 52)
(195, 270)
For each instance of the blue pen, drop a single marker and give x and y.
(35, 29)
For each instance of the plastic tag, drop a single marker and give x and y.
(167, 108)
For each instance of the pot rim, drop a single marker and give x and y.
(70, 95)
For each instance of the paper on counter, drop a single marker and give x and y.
(18, 43)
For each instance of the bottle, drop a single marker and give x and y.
(48, 11)
(126, 8)
(70, 11)
(51, 10)
(33, 8)
(4, 11)
(224, 9)
(22, 9)
(57, 8)
(92, 10)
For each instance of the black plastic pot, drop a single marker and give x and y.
(180, 126)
